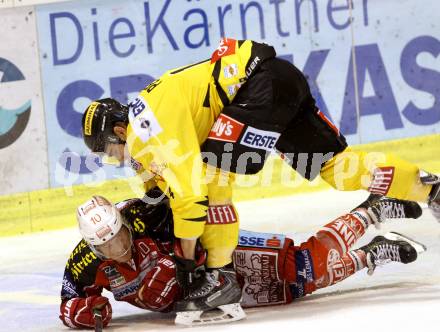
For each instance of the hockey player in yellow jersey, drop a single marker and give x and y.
(195, 127)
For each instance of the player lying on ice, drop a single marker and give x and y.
(128, 249)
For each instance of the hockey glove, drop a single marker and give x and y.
(78, 312)
(190, 273)
(159, 287)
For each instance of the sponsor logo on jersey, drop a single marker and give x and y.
(230, 70)
(261, 240)
(137, 106)
(116, 282)
(69, 288)
(345, 230)
(221, 214)
(226, 129)
(304, 266)
(262, 282)
(252, 66)
(259, 139)
(128, 288)
(382, 179)
(143, 121)
(226, 47)
(79, 260)
(111, 272)
(232, 89)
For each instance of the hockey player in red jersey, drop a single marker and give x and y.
(127, 249)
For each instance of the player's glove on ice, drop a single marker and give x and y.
(78, 312)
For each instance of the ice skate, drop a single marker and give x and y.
(381, 208)
(219, 290)
(434, 195)
(393, 247)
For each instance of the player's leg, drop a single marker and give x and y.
(313, 146)
(217, 287)
(376, 172)
(392, 247)
(373, 211)
(326, 258)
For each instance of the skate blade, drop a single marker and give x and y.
(420, 247)
(230, 313)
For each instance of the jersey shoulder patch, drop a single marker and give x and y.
(142, 119)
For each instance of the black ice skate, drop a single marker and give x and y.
(393, 247)
(219, 290)
(434, 195)
(381, 208)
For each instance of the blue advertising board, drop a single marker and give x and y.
(373, 68)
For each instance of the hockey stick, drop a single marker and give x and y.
(98, 319)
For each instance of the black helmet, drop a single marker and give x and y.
(98, 122)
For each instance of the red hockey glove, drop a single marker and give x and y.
(159, 288)
(78, 312)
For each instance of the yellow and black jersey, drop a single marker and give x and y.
(173, 116)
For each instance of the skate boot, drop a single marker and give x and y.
(380, 208)
(218, 290)
(434, 195)
(393, 247)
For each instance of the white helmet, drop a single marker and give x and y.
(98, 220)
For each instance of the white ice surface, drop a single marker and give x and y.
(396, 298)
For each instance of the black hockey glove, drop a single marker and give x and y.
(190, 273)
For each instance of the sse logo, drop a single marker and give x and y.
(13, 122)
(262, 240)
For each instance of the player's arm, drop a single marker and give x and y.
(159, 288)
(80, 295)
(148, 178)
